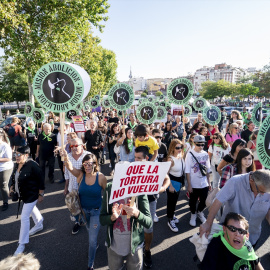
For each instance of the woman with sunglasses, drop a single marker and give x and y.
(231, 157)
(6, 166)
(27, 185)
(244, 163)
(127, 145)
(91, 183)
(233, 134)
(177, 176)
(217, 150)
(235, 115)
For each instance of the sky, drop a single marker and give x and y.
(172, 38)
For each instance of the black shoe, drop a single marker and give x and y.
(147, 259)
(76, 228)
(5, 206)
(51, 180)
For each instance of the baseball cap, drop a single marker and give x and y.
(199, 138)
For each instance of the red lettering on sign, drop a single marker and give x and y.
(150, 177)
(155, 179)
(155, 169)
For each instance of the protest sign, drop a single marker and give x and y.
(187, 110)
(106, 103)
(161, 113)
(156, 102)
(121, 96)
(146, 112)
(60, 87)
(78, 123)
(28, 109)
(150, 99)
(168, 107)
(212, 115)
(38, 115)
(180, 91)
(161, 96)
(162, 103)
(69, 114)
(86, 107)
(137, 178)
(256, 116)
(97, 97)
(199, 104)
(263, 143)
(94, 103)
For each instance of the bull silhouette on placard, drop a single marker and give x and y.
(199, 104)
(180, 90)
(37, 115)
(56, 86)
(160, 112)
(213, 114)
(70, 114)
(121, 95)
(147, 112)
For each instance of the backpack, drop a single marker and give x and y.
(11, 131)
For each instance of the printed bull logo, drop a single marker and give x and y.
(199, 103)
(93, 103)
(28, 109)
(70, 114)
(58, 85)
(212, 115)
(160, 112)
(186, 110)
(37, 115)
(180, 91)
(121, 95)
(147, 113)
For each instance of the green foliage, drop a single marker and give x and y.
(261, 80)
(37, 32)
(211, 90)
(13, 85)
(247, 89)
(158, 93)
(143, 95)
(146, 91)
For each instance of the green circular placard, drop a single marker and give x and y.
(94, 103)
(180, 91)
(162, 103)
(87, 106)
(263, 143)
(168, 106)
(212, 115)
(161, 112)
(79, 107)
(69, 114)
(97, 97)
(59, 86)
(106, 103)
(199, 104)
(150, 99)
(28, 109)
(156, 102)
(188, 110)
(256, 116)
(121, 96)
(38, 115)
(161, 96)
(146, 112)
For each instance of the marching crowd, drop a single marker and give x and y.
(205, 159)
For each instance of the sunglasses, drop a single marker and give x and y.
(75, 145)
(234, 229)
(215, 138)
(236, 127)
(158, 137)
(200, 144)
(88, 164)
(178, 147)
(18, 155)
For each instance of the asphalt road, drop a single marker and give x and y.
(57, 249)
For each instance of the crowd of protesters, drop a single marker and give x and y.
(202, 156)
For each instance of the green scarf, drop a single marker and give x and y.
(47, 136)
(132, 126)
(31, 130)
(218, 145)
(246, 252)
(130, 144)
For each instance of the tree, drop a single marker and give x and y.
(146, 91)
(13, 85)
(211, 90)
(158, 93)
(247, 89)
(143, 95)
(261, 80)
(36, 32)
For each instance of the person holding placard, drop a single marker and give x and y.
(127, 145)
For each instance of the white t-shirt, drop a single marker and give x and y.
(5, 152)
(188, 148)
(192, 167)
(59, 139)
(218, 153)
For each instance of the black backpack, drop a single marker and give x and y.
(11, 131)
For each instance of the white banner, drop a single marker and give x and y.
(138, 178)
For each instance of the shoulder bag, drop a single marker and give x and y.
(202, 167)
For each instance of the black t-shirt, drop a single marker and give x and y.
(162, 152)
(114, 120)
(56, 130)
(218, 257)
(46, 147)
(246, 134)
(228, 158)
(31, 137)
(93, 140)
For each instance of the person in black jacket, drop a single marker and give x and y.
(28, 183)
(31, 136)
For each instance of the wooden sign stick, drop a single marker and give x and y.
(62, 123)
(183, 116)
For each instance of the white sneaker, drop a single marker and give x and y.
(72, 218)
(175, 219)
(20, 249)
(172, 226)
(201, 217)
(156, 219)
(192, 221)
(110, 165)
(38, 227)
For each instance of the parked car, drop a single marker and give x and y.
(9, 119)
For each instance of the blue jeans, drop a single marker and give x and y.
(93, 226)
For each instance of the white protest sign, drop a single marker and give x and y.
(137, 178)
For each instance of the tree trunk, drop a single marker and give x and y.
(31, 96)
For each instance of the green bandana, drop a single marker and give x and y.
(46, 136)
(130, 144)
(246, 252)
(218, 145)
(133, 126)
(31, 130)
